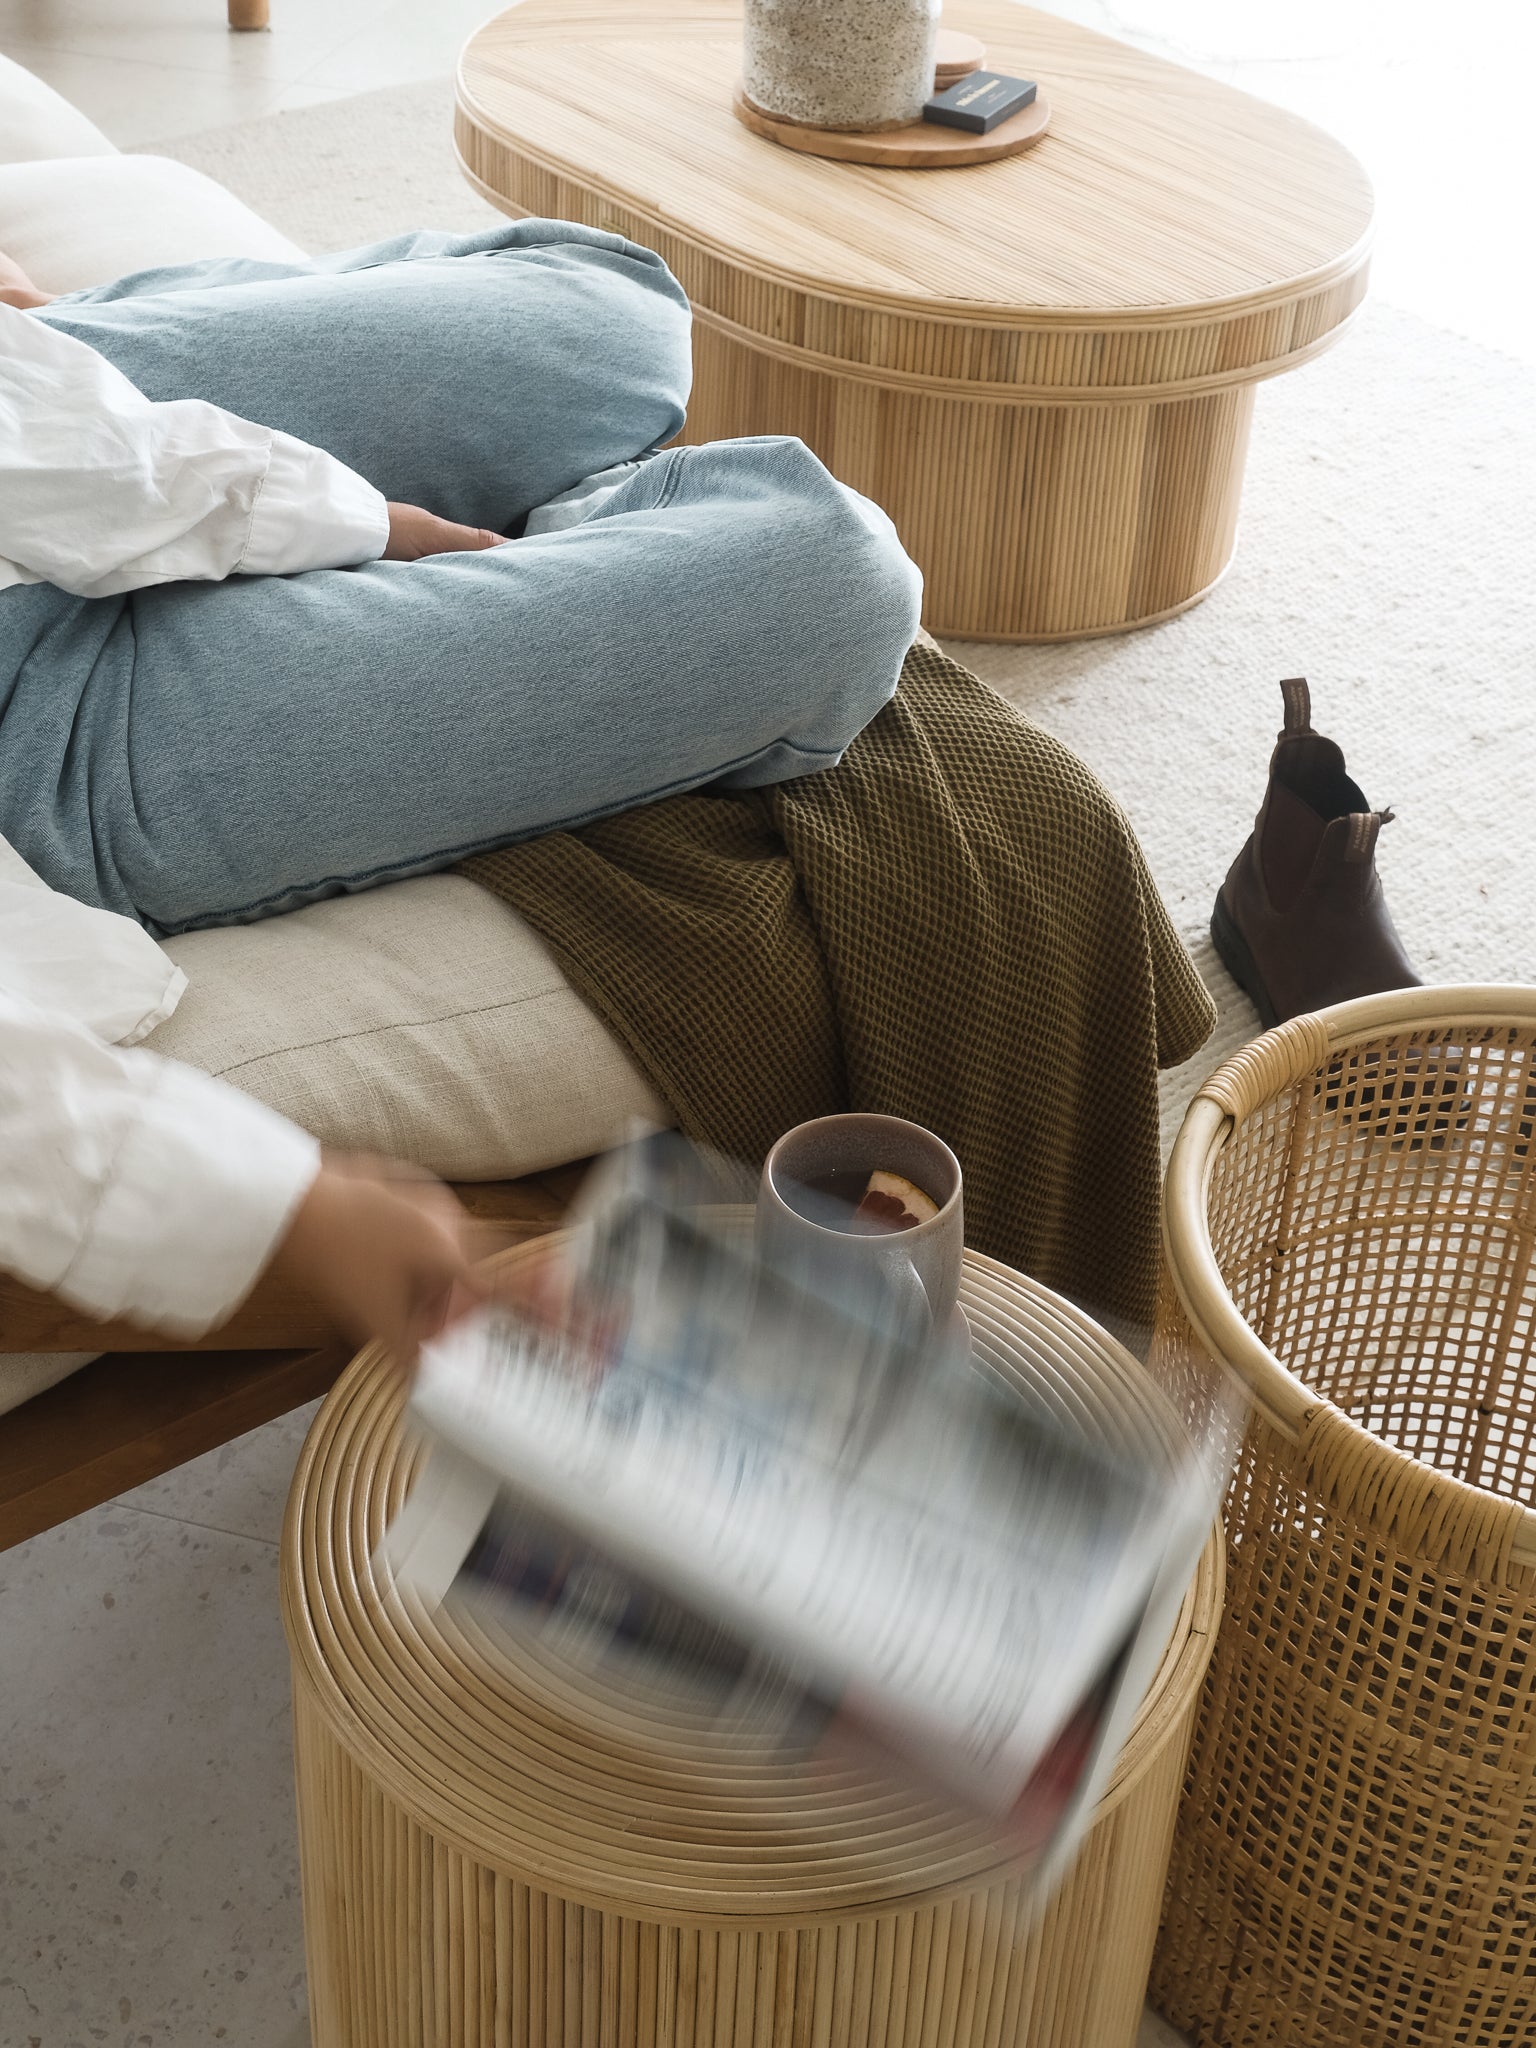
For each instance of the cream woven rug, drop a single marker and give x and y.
(1388, 552)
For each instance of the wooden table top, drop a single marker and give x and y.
(1157, 193)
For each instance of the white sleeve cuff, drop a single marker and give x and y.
(203, 1186)
(99, 969)
(312, 512)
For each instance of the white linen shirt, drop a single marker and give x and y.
(131, 1185)
(103, 490)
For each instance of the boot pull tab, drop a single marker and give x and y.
(1298, 708)
(1364, 831)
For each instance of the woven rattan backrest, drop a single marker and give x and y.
(1375, 1225)
(1351, 1228)
(1370, 1214)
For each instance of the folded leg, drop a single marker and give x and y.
(478, 375)
(731, 613)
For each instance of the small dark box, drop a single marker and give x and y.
(980, 101)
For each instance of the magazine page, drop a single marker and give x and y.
(937, 1556)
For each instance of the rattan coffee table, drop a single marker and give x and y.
(1043, 368)
(498, 1855)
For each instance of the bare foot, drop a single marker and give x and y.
(17, 289)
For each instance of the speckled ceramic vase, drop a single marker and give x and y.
(851, 64)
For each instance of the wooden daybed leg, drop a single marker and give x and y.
(129, 1416)
(248, 13)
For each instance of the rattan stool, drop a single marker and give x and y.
(1351, 1225)
(493, 1859)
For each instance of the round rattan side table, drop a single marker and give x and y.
(494, 1858)
(1043, 368)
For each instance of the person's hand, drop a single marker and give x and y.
(414, 534)
(386, 1253)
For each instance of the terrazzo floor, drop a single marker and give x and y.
(148, 1871)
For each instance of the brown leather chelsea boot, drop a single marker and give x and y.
(1301, 921)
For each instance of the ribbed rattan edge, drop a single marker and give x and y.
(1348, 270)
(1120, 626)
(1349, 264)
(367, 1739)
(1280, 1059)
(972, 391)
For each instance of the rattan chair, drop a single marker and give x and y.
(1351, 1226)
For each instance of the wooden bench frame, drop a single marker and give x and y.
(142, 1408)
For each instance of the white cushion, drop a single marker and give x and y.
(36, 122)
(84, 220)
(25, 1373)
(423, 1019)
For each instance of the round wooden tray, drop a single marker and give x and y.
(924, 146)
(488, 1835)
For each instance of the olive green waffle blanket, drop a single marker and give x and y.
(955, 924)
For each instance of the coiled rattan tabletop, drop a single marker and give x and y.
(420, 1739)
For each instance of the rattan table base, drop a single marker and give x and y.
(494, 1858)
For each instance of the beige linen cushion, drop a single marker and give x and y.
(423, 1019)
(25, 1373)
(36, 122)
(84, 220)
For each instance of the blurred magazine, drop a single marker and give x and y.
(800, 1514)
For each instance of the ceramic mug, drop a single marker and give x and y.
(797, 1228)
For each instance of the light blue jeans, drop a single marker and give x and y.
(211, 753)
